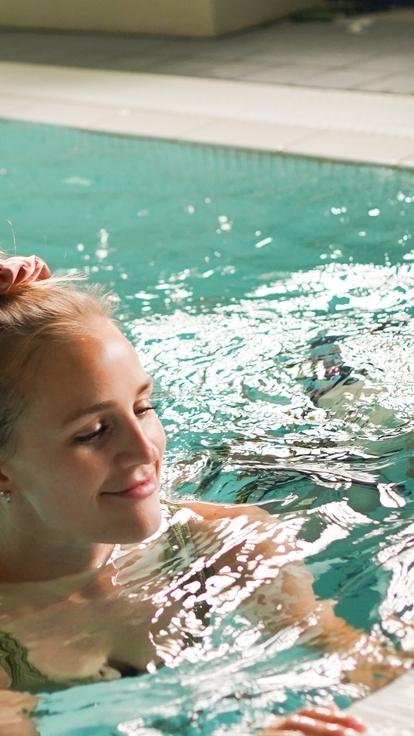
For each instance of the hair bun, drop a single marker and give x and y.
(16, 271)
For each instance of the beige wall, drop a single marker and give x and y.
(172, 17)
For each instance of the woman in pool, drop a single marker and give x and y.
(99, 579)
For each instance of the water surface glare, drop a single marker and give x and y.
(272, 300)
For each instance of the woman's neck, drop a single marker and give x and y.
(31, 551)
(28, 559)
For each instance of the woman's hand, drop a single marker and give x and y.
(15, 709)
(327, 721)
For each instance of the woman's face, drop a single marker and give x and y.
(87, 460)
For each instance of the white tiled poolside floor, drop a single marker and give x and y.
(371, 53)
(342, 90)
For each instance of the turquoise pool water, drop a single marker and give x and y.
(227, 264)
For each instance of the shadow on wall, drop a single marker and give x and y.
(332, 8)
(371, 6)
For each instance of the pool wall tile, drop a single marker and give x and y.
(352, 146)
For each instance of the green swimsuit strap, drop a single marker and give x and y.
(15, 662)
(14, 659)
(179, 537)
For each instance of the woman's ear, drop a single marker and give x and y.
(4, 479)
(5, 484)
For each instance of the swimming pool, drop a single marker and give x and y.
(227, 264)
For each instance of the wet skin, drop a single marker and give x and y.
(85, 470)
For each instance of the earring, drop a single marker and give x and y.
(6, 495)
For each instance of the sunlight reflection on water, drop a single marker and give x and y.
(227, 266)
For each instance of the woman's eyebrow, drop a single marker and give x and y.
(88, 410)
(94, 408)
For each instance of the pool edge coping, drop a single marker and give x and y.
(341, 125)
(390, 710)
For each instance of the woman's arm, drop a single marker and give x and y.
(15, 710)
(369, 659)
(287, 579)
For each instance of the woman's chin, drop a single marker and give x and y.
(152, 525)
(129, 520)
(142, 525)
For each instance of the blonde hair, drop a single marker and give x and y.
(32, 315)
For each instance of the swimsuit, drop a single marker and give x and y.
(14, 657)
(14, 661)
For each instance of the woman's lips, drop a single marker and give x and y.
(140, 490)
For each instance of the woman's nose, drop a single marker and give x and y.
(139, 445)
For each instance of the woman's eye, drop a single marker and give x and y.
(101, 429)
(141, 410)
(92, 435)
